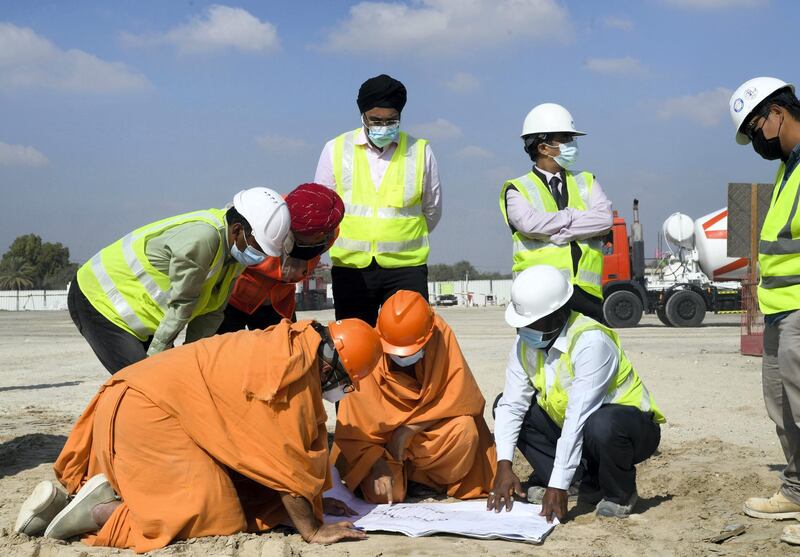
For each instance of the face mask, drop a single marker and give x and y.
(532, 338)
(334, 395)
(569, 153)
(405, 361)
(381, 136)
(769, 149)
(250, 256)
(293, 270)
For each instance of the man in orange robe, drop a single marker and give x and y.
(264, 293)
(220, 436)
(418, 416)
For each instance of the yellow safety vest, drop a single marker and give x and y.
(386, 223)
(626, 388)
(122, 284)
(779, 248)
(529, 251)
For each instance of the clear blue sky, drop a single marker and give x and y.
(115, 114)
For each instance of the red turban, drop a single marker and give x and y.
(314, 208)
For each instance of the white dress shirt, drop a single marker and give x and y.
(594, 360)
(378, 160)
(562, 226)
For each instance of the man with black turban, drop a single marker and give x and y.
(389, 182)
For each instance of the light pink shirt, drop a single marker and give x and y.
(378, 161)
(562, 226)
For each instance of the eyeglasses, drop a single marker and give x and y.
(378, 122)
(750, 129)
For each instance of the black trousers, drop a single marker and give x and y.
(237, 320)
(116, 348)
(360, 292)
(583, 302)
(615, 439)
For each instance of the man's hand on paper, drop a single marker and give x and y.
(333, 507)
(382, 479)
(337, 532)
(554, 502)
(506, 484)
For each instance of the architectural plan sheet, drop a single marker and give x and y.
(465, 518)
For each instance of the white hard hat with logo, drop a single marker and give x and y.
(748, 96)
(549, 118)
(266, 212)
(536, 292)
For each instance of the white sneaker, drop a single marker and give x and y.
(45, 502)
(76, 518)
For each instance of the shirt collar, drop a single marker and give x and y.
(561, 342)
(546, 174)
(794, 156)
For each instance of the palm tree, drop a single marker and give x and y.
(16, 274)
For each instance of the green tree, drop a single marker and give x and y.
(48, 263)
(16, 274)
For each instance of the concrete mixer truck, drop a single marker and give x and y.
(696, 277)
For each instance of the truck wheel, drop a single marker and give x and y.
(685, 309)
(662, 316)
(622, 309)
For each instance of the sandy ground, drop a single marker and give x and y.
(718, 447)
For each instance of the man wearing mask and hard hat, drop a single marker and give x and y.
(558, 216)
(133, 298)
(766, 112)
(389, 182)
(570, 394)
(265, 293)
(216, 437)
(418, 417)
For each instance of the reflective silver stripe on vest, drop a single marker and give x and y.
(121, 306)
(352, 210)
(400, 212)
(410, 173)
(589, 277)
(348, 153)
(353, 245)
(620, 391)
(781, 246)
(521, 243)
(583, 188)
(779, 282)
(146, 281)
(407, 245)
(533, 192)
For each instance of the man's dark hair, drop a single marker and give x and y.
(531, 144)
(234, 217)
(783, 98)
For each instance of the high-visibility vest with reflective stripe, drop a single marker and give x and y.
(779, 248)
(529, 251)
(122, 284)
(387, 223)
(626, 388)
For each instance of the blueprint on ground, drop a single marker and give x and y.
(465, 518)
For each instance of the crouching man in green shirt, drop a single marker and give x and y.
(133, 298)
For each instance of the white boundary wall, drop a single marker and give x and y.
(473, 292)
(33, 300)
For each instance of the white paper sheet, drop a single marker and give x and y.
(465, 518)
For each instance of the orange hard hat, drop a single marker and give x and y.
(358, 346)
(405, 323)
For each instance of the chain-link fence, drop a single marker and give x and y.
(33, 300)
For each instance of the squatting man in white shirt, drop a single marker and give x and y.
(572, 404)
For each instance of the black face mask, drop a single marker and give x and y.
(769, 149)
(306, 253)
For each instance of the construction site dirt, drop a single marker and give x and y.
(717, 448)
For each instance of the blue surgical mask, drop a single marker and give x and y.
(536, 339)
(381, 136)
(568, 153)
(250, 256)
(408, 360)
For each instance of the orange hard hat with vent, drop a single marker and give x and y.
(405, 323)
(358, 346)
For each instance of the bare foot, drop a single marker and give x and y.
(102, 512)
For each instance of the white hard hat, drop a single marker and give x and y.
(748, 96)
(549, 118)
(268, 216)
(536, 292)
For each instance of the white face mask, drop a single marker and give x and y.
(568, 153)
(405, 361)
(334, 395)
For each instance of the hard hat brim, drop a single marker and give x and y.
(404, 351)
(576, 133)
